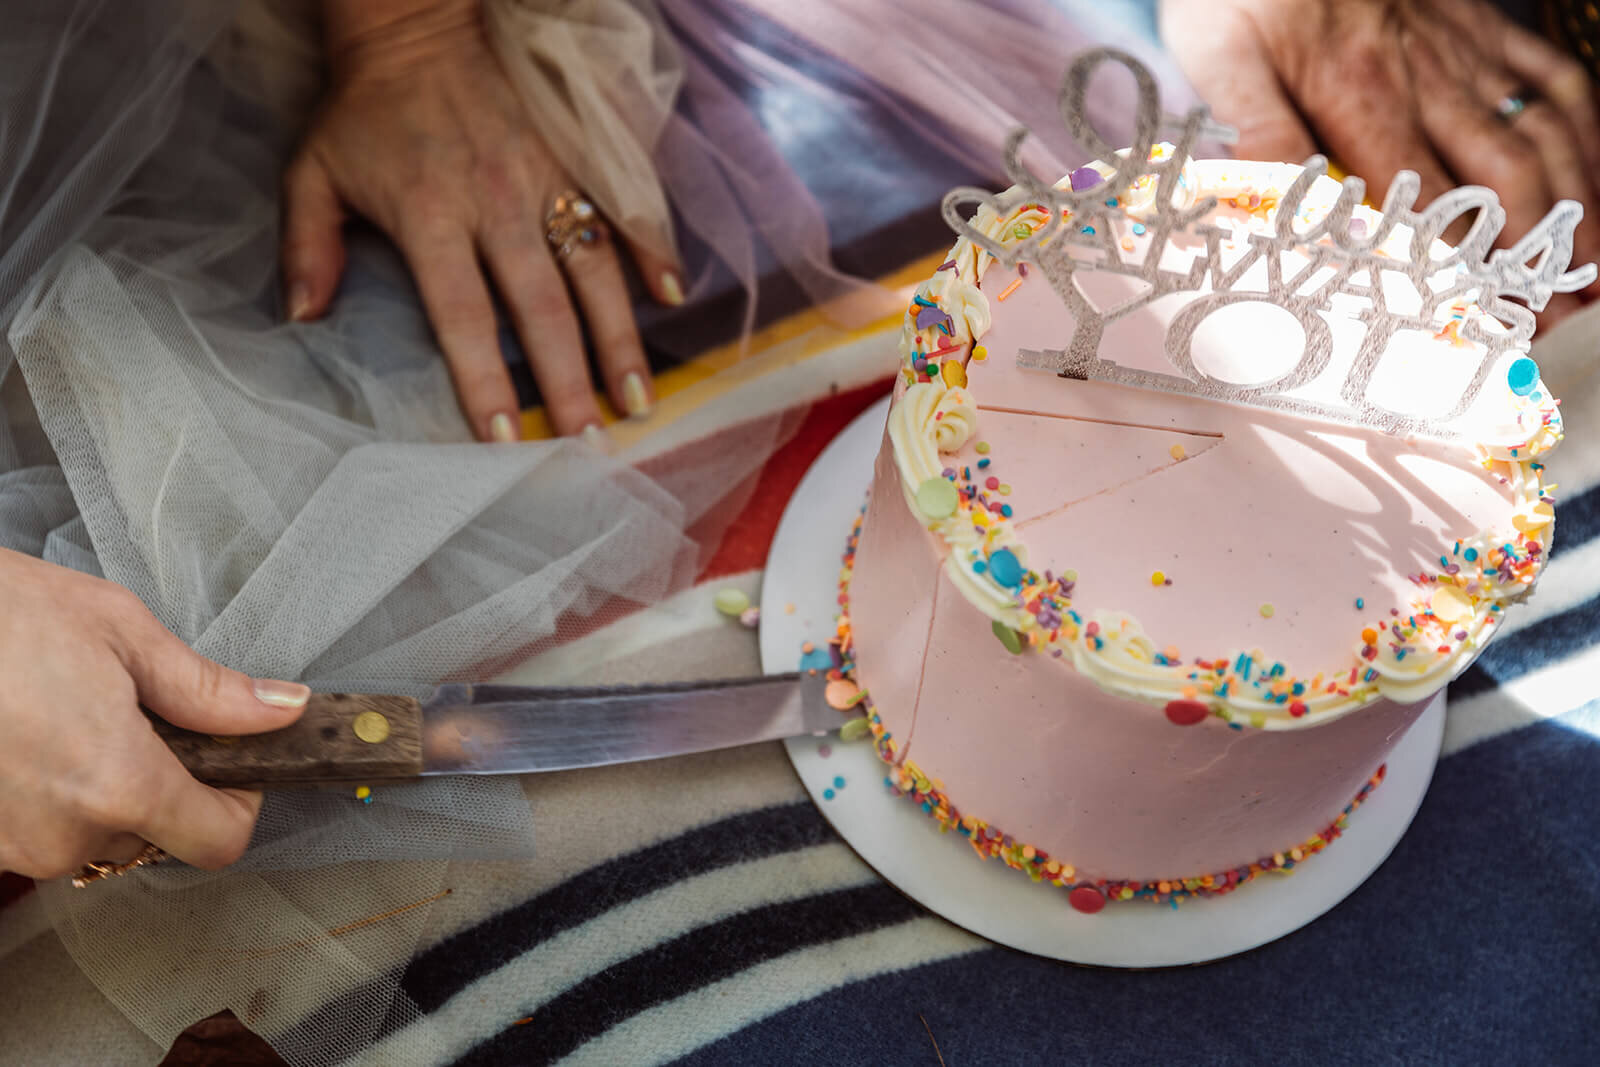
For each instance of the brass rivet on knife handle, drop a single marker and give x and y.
(341, 737)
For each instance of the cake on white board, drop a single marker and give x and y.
(1199, 479)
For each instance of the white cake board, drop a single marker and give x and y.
(940, 870)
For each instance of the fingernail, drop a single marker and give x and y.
(671, 288)
(299, 301)
(282, 694)
(502, 429)
(596, 438)
(635, 401)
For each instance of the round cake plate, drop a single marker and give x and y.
(940, 870)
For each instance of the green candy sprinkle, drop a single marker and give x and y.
(936, 498)
(731, 601)
(855, 729)
(1008, 637)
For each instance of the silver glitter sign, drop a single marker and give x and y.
(1338, 256)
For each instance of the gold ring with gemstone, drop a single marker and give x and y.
(573, 222)
(148, 856)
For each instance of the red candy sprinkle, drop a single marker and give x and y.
(991, 482)
(1297, 709)
(1186, 712)
(1087, 899)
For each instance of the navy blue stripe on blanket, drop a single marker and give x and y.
(692, 961)
(1476, 942)
(1509, 658)
(1577, 520)
(442, 971)
(1551, 639)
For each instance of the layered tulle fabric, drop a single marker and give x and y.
(678, 111)
(303, 501)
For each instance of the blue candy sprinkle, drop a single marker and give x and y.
(1005, 509)
(838, 783)
(1004, 566)
(1138, 229)
(1522, 376)
(978, 566)
(827, 794)
(983, 463)
(1362, 603)
(816, 660)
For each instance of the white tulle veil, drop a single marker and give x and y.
(303, 501)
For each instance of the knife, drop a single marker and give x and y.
(497, 729)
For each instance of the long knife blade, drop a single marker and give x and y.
(492, 729)
(488, 729)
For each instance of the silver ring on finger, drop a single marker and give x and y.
(573, 222)
(1515, 102)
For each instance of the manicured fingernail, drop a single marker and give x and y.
(596, 438)
(282, 694)
(502, 429)
(299, 302)
(635, 401)
(671, 288)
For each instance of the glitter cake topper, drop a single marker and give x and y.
(1343, 259)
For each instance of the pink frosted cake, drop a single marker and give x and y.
(1148, 586)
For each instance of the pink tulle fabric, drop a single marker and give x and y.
(962, 73)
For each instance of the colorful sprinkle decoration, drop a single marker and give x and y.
(1522, 376)
(937, 498)
(731, 602)
(904, 778)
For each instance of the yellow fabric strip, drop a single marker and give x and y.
(789, 340)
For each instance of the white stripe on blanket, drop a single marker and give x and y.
(518, 988)
(1553, 692)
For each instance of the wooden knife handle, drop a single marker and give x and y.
(341, 737)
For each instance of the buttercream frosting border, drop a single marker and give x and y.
(1405, 657)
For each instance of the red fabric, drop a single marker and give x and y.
(744, 546)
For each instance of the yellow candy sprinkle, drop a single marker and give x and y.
(1178, 452)
(1157, 578)
(981, 448)
(363, 792)
(980, 353)
(1005, 490)
(731, 601)
(953, 373)
(1450, 604)
(1267, 611)
(1127, 893)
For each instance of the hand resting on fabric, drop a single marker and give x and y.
(1379, 86)
(422, 134)
(83, 777)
